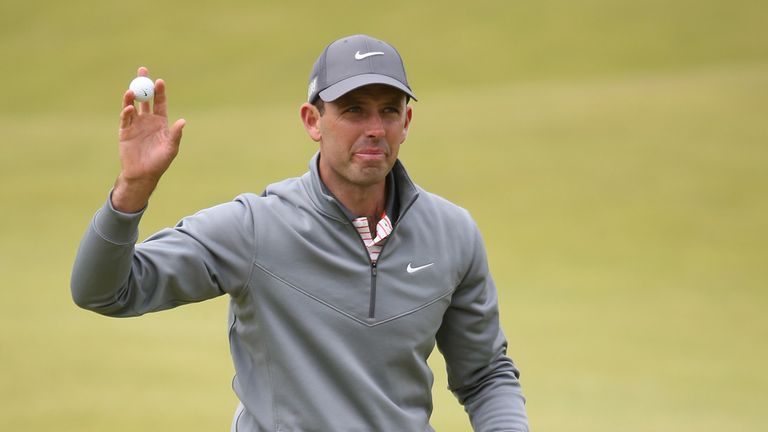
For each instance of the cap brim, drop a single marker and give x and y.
(343, 87)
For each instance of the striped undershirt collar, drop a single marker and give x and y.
(373, 244)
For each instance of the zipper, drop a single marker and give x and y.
(372, 301)
(372, 307)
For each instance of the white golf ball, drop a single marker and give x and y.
(143, 89)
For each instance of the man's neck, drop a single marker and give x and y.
(362, 201)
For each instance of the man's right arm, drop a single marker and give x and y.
(114, 277)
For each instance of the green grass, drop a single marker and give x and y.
(613, 154)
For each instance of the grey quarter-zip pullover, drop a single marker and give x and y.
(321, 338)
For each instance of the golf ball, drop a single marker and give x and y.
(143, 89)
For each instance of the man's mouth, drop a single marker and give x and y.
(371, 153)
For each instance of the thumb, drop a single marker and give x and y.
(175, 130)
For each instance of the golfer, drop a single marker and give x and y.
(341, 281)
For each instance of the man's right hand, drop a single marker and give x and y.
(147, 148)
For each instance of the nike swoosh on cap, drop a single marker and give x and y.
(359, 56)
(411, 269)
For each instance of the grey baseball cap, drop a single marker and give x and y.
(356, 61)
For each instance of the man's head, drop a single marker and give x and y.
(357, 109)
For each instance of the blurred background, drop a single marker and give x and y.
(613, 154)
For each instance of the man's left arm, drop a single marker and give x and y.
(480, 374)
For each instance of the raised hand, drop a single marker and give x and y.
(147, 148)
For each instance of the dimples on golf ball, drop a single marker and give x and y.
(143, 88)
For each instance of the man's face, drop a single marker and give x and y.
(360, 135)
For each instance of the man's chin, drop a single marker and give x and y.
(371, 175)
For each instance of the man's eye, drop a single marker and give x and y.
(354, 109)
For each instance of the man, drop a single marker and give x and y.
(341, 281)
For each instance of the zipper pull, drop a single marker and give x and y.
(373, 269)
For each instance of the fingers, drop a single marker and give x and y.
(126, 117)
(128, 98)
(143, 106)
(176, 129)
(128, 112)
(161, 106)
(160, 103)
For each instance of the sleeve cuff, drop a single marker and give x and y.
(116, 226)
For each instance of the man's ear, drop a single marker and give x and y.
(310, 116)
(408, 116)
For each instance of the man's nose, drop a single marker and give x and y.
(375, 126)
